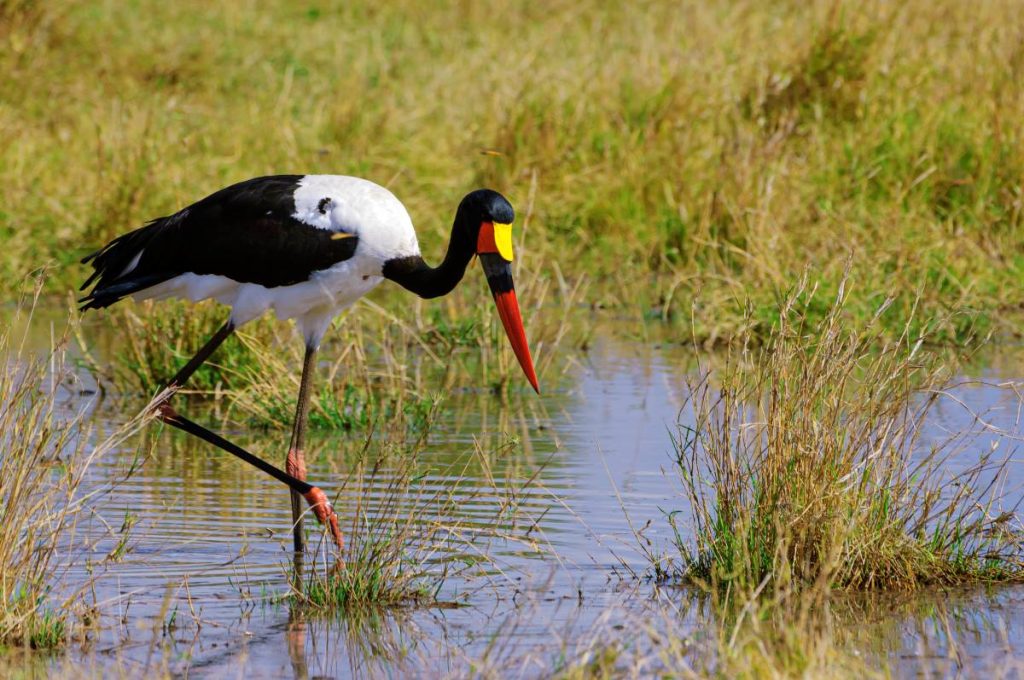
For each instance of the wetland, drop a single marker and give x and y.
(184, 564)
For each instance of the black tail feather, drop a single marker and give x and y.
(108, 295)
(110, 265)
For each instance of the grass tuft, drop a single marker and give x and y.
(154, 342)
(824, 83)
(805, 468)
(350, 393)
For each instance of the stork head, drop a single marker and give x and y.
(490, 215)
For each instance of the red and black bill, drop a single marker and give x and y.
(499, 278)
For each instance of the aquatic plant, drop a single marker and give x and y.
(805, 471)
(351, 392)
(154, 342)
(673, 633)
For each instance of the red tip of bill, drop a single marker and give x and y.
(512, 320)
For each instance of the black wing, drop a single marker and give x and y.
(245, 232)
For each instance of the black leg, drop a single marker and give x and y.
(182, 376)
(316, 498)
(295, 463)
(168, 415)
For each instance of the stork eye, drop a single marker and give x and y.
(322, 205)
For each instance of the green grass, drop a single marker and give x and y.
(359, 384)
(150, 346)
(805, 472)
(709, 153)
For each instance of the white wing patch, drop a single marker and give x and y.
(357, 206)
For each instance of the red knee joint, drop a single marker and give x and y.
(295, 464)
(321, 507)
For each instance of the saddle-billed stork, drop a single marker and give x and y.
(306, 247)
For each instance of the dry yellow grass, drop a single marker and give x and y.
(46, 449)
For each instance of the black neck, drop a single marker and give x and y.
(413, 274)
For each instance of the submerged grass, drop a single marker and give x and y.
(805, 470)
(678, 634)
(46, 449)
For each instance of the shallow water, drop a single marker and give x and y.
(195, 591)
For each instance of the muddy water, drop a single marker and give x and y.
(197, 589)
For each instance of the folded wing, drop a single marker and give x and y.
(246, 232)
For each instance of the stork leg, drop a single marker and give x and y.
(295, 477)
(316, 498)
(295, 463)
(182, 376)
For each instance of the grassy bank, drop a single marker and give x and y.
(670, 153)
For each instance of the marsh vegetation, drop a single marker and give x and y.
(48, 448)
(705, 153)
(805, 466)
